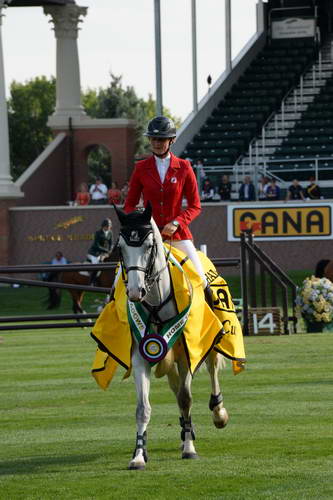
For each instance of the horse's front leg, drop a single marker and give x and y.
(141, 372)
(184, 399)
(219, 413)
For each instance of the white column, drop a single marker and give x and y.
(7, 187)
(158, 58)
(194, 56)
(260, 16)
(228, 35)
(66, 21)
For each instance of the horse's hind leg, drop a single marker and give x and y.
(141, 372)
(220, 414)
(184, 398)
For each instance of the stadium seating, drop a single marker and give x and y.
(311, 138)
(240, 116)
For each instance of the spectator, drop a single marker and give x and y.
(199, 171)
(312, 191)
(246, 191)
(225, 188)
(124, 191)
(273, 191)
(262, 188)
(57, 260)
(83, 195)
(98, 192)
(208, 192)
(114, 194)
(295, 191)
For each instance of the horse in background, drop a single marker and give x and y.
(324, 269)
(148, 283)
(105, 279)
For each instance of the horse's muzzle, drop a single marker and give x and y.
(136, 295)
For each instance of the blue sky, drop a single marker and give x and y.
(119, 37)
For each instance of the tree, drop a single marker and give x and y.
(118, 102)
(29, 106)
(31, 103)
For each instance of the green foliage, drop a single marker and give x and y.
(29, 107)
(118, 102)
(31, 103)
(62, 437)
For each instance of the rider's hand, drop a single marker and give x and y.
(169, 229)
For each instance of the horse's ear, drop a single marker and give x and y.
(120, 214)
(148, 212)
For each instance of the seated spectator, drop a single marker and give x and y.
(208, 192)
(82, 196)
(246, 191)
(273, 191)
(124, 191)
(225, 188)
(295, 191)
(114, 194)
(312, 191)
(98, 192)
(262, 188)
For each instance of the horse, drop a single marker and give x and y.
(105, 280)
(148, 283)
(324, 269)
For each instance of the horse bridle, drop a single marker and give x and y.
(149, 278)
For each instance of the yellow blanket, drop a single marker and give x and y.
(202, 331)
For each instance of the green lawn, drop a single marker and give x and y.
(62, 437)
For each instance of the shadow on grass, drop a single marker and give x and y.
(34, 464)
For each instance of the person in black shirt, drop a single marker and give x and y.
(312, 191)
(295, 191)
(225, 188)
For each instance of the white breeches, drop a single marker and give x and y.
(188, 248)
(93, 258)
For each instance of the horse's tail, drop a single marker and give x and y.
(320, 267)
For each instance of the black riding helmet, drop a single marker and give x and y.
(161, 127)
(106, 222)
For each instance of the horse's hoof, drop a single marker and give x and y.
(136, 466)
(190, 456)
(220, 417)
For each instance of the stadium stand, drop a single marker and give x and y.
(239, 118)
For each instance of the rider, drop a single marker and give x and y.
(101, 246)
(164, 180)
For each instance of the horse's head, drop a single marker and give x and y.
(137, 245)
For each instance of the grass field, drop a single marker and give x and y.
(62, 437)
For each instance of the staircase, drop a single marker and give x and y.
(299, 135)
(239, 117)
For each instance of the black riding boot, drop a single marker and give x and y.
(93, 278)
(209, 297)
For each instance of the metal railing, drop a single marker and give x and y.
(274, 294)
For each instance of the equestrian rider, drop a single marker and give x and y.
(101, 246)
(164, 180)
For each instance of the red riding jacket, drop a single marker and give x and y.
(166, 199)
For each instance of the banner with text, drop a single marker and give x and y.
(281, 221)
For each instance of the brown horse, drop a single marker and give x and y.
(105, 279)
(324, 269)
